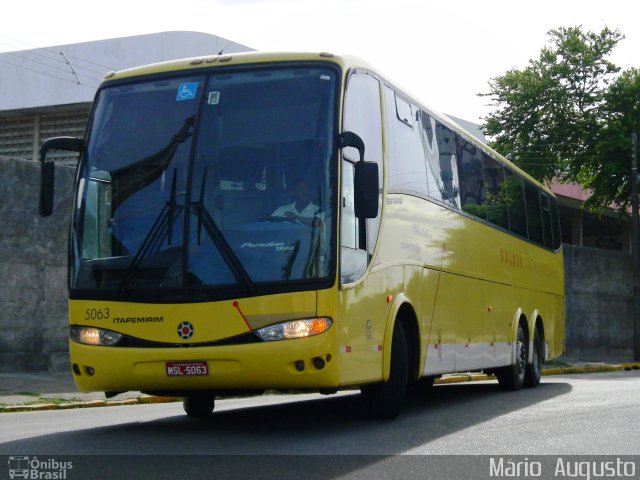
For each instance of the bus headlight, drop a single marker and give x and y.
(94, 336)
(294, 329)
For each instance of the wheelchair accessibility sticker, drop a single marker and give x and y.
(187, 91)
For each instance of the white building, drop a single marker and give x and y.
(49, 91)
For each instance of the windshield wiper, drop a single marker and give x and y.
(230, 258)
(162, 228)
(313, 265)
(288, 268)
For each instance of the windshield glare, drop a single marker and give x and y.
(208, 181)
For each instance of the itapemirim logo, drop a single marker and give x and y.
(38, 469)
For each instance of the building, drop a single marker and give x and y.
(608, 230)
(49, 91)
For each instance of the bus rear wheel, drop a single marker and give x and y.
(512, 377)
(385, 400)
(534, 369)
(199, 406)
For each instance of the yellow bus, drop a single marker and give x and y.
(296, 221)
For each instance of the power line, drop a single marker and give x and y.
(27, 48)
(50, 63)
(93, 87)
(57, 63)
(106, 67)
(47, 65)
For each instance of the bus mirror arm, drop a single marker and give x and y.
(47, 168)
(350, 139)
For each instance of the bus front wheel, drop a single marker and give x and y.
(198, 406)
(385, 400)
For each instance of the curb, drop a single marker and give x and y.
(89, 404)
(479, 377)
(591, 369)
(448, 379)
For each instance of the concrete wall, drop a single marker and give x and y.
(599, 296)
(33, 270)
(33, 281)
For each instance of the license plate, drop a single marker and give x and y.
(187, 369)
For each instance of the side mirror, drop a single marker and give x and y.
(366, 182)
(367, 187)
(47, 168)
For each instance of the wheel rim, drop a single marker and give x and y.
(521, 351)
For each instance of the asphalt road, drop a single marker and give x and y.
(593, 414)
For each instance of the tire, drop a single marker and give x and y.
(512, 377)
(423, 386)
(385, 400)
(534, 369)
(199, 406)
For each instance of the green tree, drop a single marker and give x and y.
(568, 115)
(608, 173)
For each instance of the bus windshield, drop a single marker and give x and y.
(208, 181)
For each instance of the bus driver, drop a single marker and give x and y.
(301, 209)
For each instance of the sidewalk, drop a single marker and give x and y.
(51, 391)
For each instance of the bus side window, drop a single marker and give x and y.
(349, 225)
(362, 115)
(555, 223)
(427, 130)
(495, 191)
(514, 192)
(448, 165)
(407, 169)
(96, 242)
(546, 220)
(472, 190)
(534, 213)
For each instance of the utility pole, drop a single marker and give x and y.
(635, 243)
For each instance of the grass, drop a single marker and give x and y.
(55, 401)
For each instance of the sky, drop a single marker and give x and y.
(443, 52)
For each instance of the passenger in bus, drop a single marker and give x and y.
(301, 209)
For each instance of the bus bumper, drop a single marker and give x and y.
(306, 363)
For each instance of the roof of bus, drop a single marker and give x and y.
(346, 62)
(226, 60)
